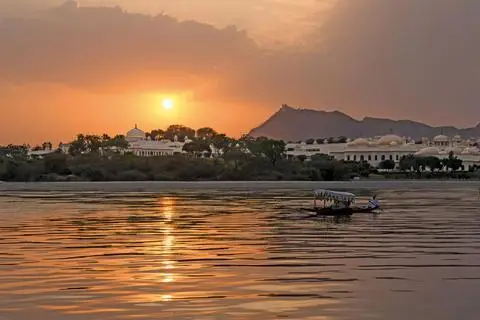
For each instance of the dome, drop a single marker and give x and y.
(440, 138)
(428, 152)
(135, 134)
(359, 142)
(389, 138)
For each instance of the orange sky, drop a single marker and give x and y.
(59, 112)
(66, 69)
(56, 111)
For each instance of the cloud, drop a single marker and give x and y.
(100, 48)
(405, 59)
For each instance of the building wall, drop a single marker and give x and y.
(308, 150)
(375, 152)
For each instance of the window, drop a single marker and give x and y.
(397, 157)
(370, 157)
(348, 158)
(362, 158)
(376, 157)
(383, 157)
(355, 158)
(391, 157)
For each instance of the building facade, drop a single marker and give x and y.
(142, 146)
(392, 147)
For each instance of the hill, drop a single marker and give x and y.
(292, 124)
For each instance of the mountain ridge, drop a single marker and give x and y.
(295, 124)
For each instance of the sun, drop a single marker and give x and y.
(167, 104)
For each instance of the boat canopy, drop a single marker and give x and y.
(334, 195)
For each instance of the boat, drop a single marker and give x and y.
(336, 203)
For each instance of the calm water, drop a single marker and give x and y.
(237, 254)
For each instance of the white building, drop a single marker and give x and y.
(142, 146)
(309, 150)
(40, 152)
(376, 150)
(392, 147)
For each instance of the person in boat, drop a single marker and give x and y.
(373, 203)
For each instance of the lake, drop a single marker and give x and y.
(237, 251)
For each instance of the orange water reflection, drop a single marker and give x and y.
(233, 256)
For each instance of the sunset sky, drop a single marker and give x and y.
(103, 65)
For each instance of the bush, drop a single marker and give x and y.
(132, 175)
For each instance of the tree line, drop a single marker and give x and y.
(421, 164)
(99, 158)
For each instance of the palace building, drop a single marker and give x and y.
(392, 147)
(142, 146)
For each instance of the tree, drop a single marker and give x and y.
(119, 142)
(206, 133)
(387, 165)
(196, 147)
(249, 144)
(93, 143)
(321, 157)
(362, 168)
(408, 163)
(47, 145)
(433, 163)
(452, 162)
(328, 167)
(222, 142)
(14, 151)
(78, 146)
(302, 158)
(320, 141)
(342, 139)
(156, 134)
(235, 156)
(274, 150)
(180, 131)
(56, 163)
(310, 141)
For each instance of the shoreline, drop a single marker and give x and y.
(154, 186)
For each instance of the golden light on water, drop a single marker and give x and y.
(166, 297)
(167, 210)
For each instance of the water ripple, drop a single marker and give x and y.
(216, 254)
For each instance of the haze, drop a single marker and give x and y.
(93, 67)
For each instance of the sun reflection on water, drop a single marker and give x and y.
(167, 206)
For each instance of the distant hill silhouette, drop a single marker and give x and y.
(291, 124)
